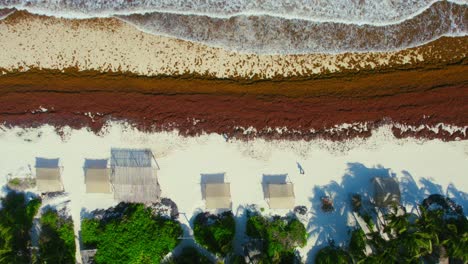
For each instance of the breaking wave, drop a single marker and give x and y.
(277, 27)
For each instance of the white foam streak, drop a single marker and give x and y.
(278, 27)
(376, 13)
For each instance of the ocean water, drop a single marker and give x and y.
(277, 27)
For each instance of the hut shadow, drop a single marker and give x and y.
(336, 225)
(272, 179)
(206, 178)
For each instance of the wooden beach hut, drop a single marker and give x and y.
(215, 191)
(48, 175)
(97, 176)
(278, 191)
(133, 175)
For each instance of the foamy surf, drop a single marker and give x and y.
(278, 27)
(378, 13)
(273, 35)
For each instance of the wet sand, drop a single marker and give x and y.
(30, 41)
(98, 70)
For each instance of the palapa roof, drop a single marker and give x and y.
(48, 180)
(121, 157)
(133, 176)
(48, 175)
(280, 196)
(217, 195)
(386, 191)
(97, 176)
(97, 180)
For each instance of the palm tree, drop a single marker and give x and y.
(7, 254)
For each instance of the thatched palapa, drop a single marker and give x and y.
(281, 196)
(48, 175)
(278, 192)
(133, 175)
(215, 191)
(97, 176)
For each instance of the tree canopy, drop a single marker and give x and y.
(280, 236)
(57, 239)
(16, 218)
(332, 255)
(215, 232)
(190, 255)
(436, 232)
(133, 235)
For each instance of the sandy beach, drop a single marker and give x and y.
(336, 168)
(73, 88)
(30, 41)
(86, 72)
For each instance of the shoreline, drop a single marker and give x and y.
(103, 69)
(110, 45)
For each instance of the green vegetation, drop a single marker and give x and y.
(332, 255)
(215, 232)
(435, 233)
(189, 255)
(132, 235)
(57, 239)
(411, 241)
(14, 182)
(21, 184)
(279, 237)
(357, 244)
(16, 218)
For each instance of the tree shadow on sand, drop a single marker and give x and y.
(412, 194)
(336, 225)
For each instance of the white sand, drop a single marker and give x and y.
(57, 43)
(422, 167)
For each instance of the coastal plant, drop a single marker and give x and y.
(57, 238)
(14, 182)
(16, 218)
(189, 255)
(357, 244)
(332, 255)
(215, 232)
(133, 235)
(437, 232)
(279, 236)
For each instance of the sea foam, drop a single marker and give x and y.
(277, 27)
(373, 12)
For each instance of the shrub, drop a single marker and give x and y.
(332, 255)
(14, 182)
(133, 236)
(215, 232)
(357, 244)
(57, 239)
(280, 236)
(190, 255)
(16, 218)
